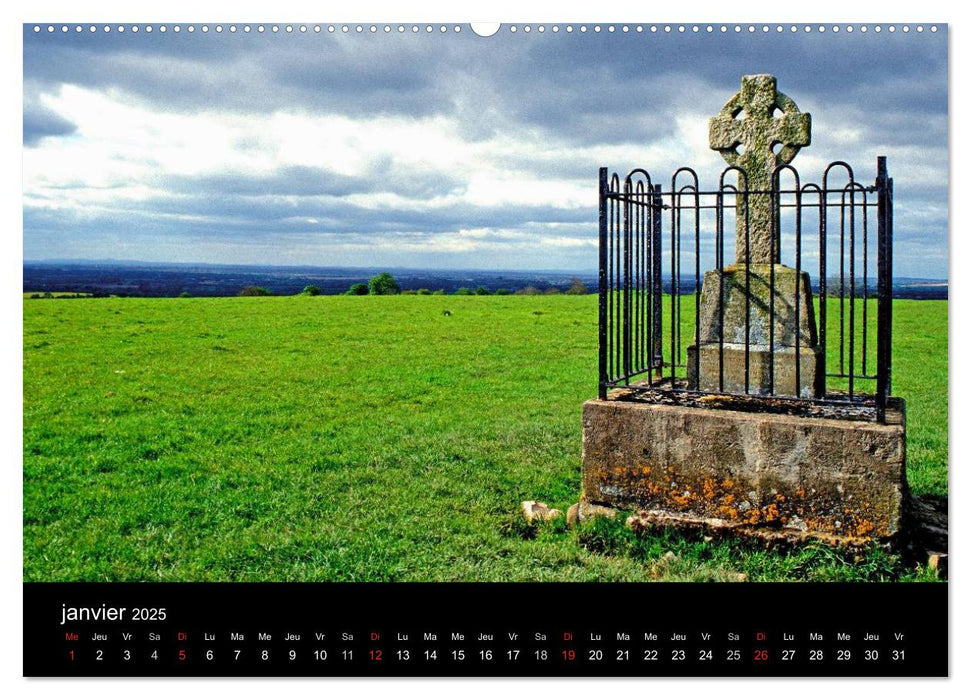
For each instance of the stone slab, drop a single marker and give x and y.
(730, 377)
(834, 480)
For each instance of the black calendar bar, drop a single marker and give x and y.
(464, 629)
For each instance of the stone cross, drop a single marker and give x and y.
(757, 143)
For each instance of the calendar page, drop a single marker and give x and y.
(520, 349)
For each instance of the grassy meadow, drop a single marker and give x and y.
(341, 438)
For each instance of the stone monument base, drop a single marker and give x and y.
(765, 475)
(774, 304)
(782, 361)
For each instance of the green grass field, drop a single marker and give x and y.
(362, 439)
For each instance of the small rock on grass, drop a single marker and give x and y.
(588, 511)
(534, 510)
(937, 561)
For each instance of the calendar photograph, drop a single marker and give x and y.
(648, 305)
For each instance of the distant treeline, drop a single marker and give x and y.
(173, 280)
(385, 284)
(113, 278)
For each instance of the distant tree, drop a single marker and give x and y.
(384, 284)
(423, 292)
(311, 290)
(409, 292)
(501, 292)
(253, 291)
(552, 290)
(530, 290)
(438, 292)
(577, 287)
(184, 295)
(482, 291)
(356, 290)
(464, 292)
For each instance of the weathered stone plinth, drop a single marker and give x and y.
(782, 380)
(779, 310)
(757, 474)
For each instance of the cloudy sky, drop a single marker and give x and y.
(432, 149)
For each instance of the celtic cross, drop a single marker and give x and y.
(766, 141)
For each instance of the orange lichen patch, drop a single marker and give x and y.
(726, 513)
(646, 520)
(701, 495)
(680, 498)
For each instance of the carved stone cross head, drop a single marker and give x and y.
(749, 134)
(766, 139)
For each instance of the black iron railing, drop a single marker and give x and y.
(659, 249)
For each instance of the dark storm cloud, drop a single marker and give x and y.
(589, 88)
(630, 86)
(354, 76)
(39, 121)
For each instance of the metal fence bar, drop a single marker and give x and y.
(888, 319)
(773, 233)
(842, 288)
(884, 285)
(748, 290)
(697, 280)
(615, 299)
(823, 333)
(638, 276)
(675, 244)
(626, 295)
(852, 343)
(866, 284)
(603, 289)
(719, 266)
(657, 357)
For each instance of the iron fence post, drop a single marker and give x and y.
(602, 392)
(656, 289)
(884, 289)
(626, 319)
